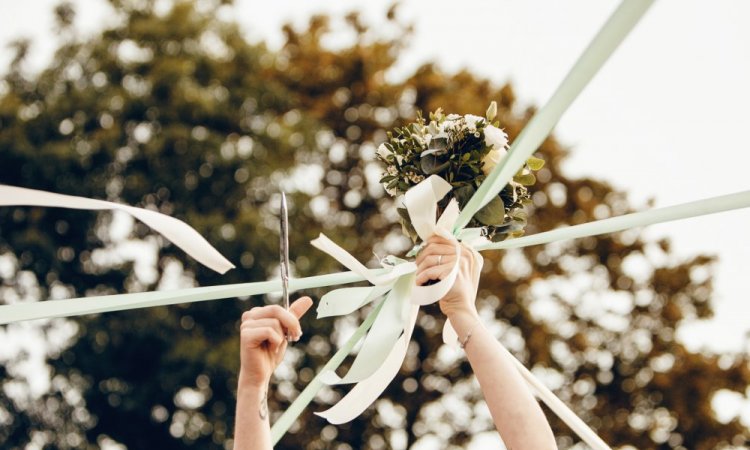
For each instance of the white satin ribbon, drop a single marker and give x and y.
(176, 231)
(344, 301)
(326, 245)
(364, 393)
(381, 338)
(385, 346)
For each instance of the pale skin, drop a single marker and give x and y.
(518, 417)
(515, 412)
(262, 346)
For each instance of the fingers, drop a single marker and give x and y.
(288, 320)
(433, 273)
(437, 239)
(255, 337)
(263, 323)
(432, 250)
(437, 258)
(277, 318)
(300, 306)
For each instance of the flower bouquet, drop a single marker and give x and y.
(462, 150)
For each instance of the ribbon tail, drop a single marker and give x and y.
(325, 244)
(450, 337)
(347, 300)
(367, 391)
(176, 231)
(390, 324)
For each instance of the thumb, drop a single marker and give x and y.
(300, 306)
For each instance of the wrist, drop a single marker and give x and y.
(464, 321)
(248, 381)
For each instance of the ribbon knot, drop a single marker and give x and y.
(384, 348)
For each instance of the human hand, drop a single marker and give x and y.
(435, 262)
(263, 339)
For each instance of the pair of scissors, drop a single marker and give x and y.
(284, 254)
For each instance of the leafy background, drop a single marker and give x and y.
(177, 111)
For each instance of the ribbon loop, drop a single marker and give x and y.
(385, 345)
(381, 338)
(421, 202)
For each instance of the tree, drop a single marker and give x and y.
(178, 112)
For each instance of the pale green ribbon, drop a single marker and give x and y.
(606, 41)
(609, 37)
(384, 348)
(108, 303)
(634, 220)
(614, 31)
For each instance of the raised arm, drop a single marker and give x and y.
(517, 415)
(262, 346)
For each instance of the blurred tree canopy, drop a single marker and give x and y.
(176, 111)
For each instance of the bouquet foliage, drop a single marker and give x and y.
(462, 150)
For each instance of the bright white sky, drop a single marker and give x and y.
(666, 117)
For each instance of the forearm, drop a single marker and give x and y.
(252, 429)
(517, 415)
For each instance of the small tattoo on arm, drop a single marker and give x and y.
(263, 412)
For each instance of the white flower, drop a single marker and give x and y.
(471, 121)
(383, 151)
(492, 159)
(495, 138)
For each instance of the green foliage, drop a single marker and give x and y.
(209, 135)
(460, 151)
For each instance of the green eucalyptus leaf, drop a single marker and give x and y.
(463, 194)
(438, 143)
(430, 164)
(535, 163)
(493, 213)
(527, 179)
(519, 214)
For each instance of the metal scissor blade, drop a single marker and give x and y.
(284, 252)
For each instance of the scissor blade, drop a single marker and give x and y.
(284, 250)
